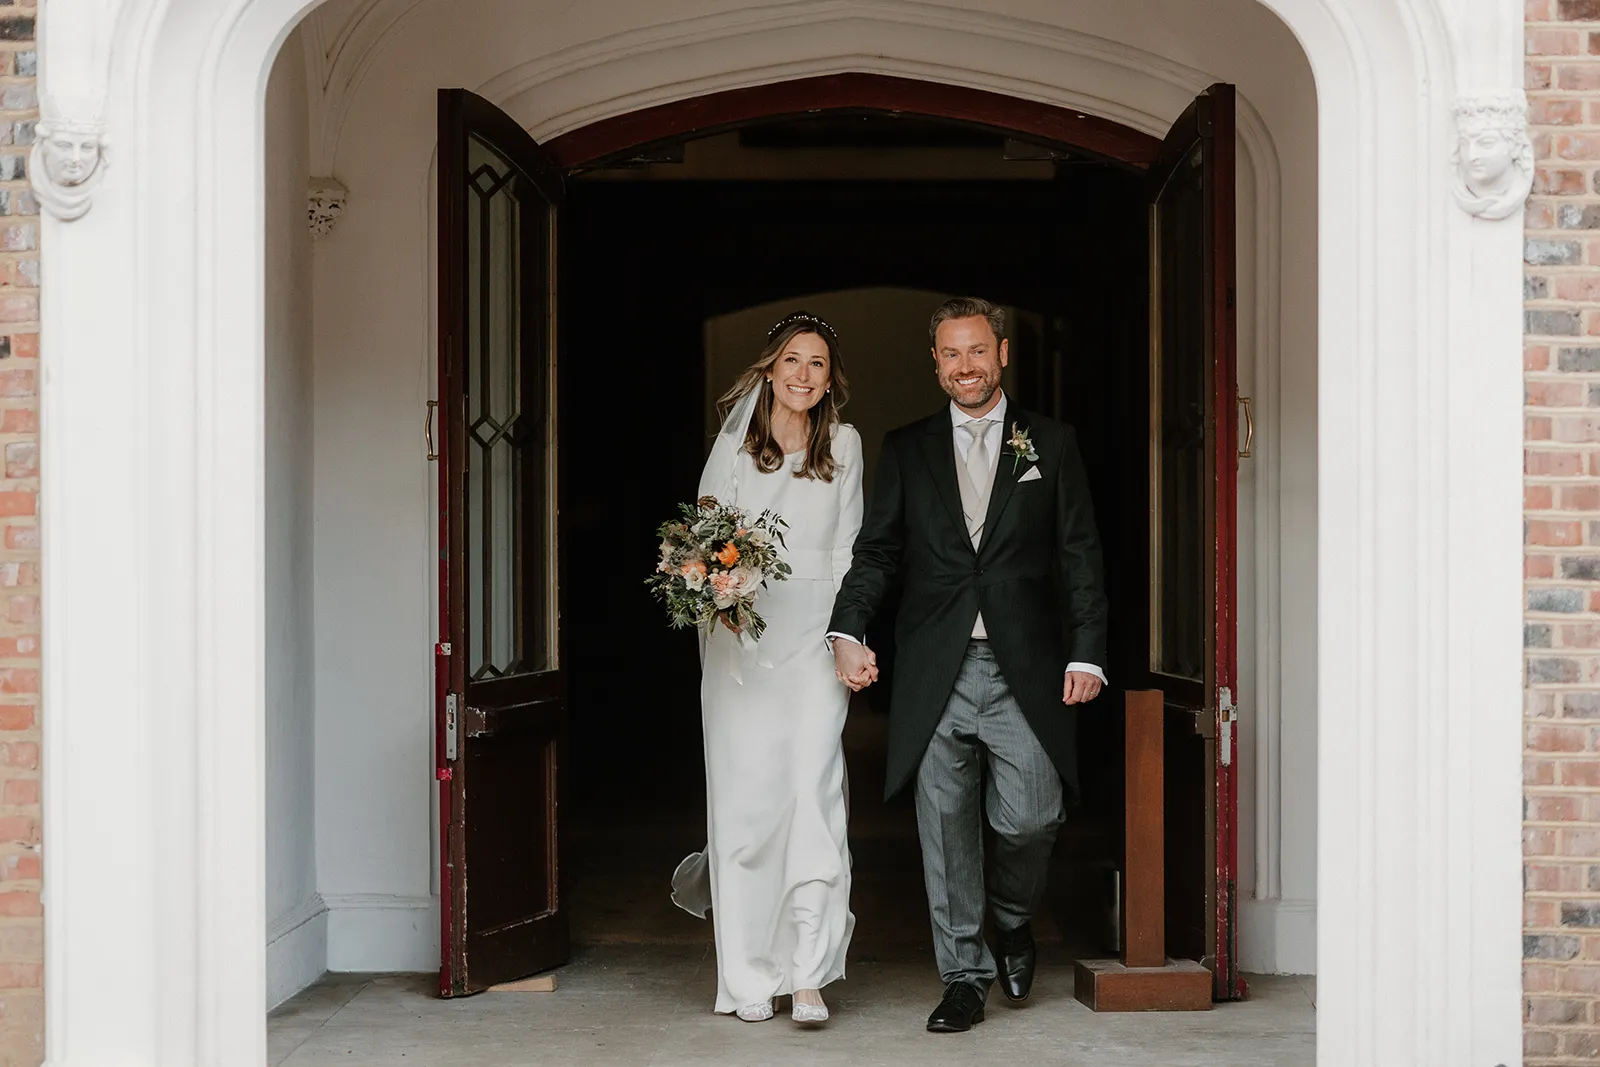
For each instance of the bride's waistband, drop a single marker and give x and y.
(809, 564)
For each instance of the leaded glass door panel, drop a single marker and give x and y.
(501, 692)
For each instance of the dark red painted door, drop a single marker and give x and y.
(501, 691)
(1194, 480)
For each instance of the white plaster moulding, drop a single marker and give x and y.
(893, 15)
(69, 157)
(338, 62)
(356, 48)
(326, 199)
(296, 917)
(1492, 155)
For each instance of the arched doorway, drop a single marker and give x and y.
(1167, 406)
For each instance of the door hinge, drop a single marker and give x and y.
(451, 726)
(1227, 715)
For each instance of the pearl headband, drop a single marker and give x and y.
(805, 317)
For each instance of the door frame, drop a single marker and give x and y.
(1044, 123)
(1047, 125)
(1419, 889)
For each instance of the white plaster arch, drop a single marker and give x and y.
(343, 37)
(153, 425)
(347, 36)
(878, 29)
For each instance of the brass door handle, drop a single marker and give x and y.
(1249, 428)
(427, 430)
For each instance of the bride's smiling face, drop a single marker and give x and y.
(800, 377)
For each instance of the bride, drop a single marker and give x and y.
(775, 873)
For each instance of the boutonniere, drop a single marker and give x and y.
(1021, 445)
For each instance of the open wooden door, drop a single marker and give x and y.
(1193, 507)
(501, 692)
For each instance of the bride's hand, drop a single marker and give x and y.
(862, 680)
(855, 665)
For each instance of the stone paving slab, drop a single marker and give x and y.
(649, 1006)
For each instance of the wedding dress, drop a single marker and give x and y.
(775, 872)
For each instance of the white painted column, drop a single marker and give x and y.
(1419, 512)
(101, 742)
(152, 555)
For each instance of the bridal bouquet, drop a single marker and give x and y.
(714, 559)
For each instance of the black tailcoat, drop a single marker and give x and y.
(1036, 575)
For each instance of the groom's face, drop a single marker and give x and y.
(968, 359)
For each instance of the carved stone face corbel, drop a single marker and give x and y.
(325, 200)
(68, 159)
(1492, 157)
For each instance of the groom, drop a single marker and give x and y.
(983, 511)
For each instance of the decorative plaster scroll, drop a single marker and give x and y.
(69, 157)
(1492, 157)
(325, 200)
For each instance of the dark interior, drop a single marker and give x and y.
(646, 264)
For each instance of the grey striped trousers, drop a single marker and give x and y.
(983, 759)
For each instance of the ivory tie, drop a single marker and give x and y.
(976, 483)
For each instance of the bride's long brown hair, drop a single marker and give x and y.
(824, 415)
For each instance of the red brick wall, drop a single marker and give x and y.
(1561, 357)
(21, 927)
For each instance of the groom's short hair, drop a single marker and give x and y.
(966, 307)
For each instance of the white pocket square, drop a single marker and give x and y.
(1033, 475)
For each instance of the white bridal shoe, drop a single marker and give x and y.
(808, 1013)
(755, 1013)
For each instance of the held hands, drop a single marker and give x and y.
(1080, 687)
(854, 665)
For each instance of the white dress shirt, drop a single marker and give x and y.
(992, 439)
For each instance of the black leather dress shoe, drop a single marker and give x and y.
(1017, 956)
(959, 1011)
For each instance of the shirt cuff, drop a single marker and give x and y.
(1088, 668)
(828, 638)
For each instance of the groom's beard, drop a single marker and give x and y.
(973, 396)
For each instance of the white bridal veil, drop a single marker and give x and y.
(720, 477)
(691, 882)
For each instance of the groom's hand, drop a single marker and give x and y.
(1080, 687)
(855, 665)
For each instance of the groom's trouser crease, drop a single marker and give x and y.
(983, 724)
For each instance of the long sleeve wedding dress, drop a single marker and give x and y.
(775, 873)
